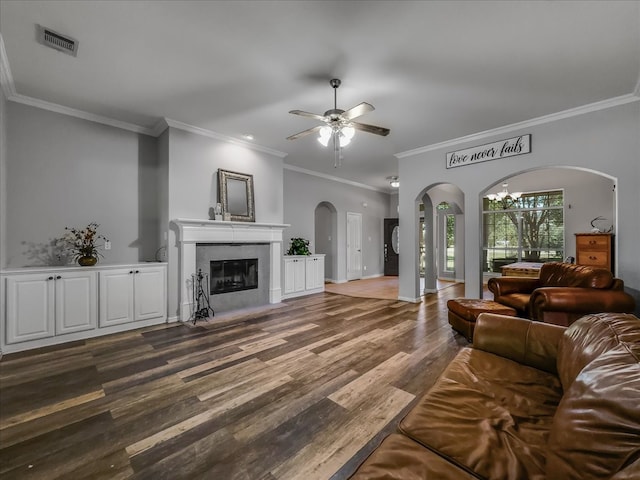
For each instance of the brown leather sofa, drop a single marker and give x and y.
(563, 293)
(530, 401)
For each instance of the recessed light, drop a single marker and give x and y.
(247, 136)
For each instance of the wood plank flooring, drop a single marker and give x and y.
(385, 287)
(301, 390)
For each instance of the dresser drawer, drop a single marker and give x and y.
(588, 242)
(594, 258)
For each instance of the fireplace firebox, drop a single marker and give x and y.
(233, 275)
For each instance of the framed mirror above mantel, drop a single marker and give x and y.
(235, 193)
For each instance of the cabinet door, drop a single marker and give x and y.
(315, 273)
(310, 280)
(320, 272)
(289, 275)
(116, 297)
(149, 289)
(30, 307)
(76, 302)
(299, 280)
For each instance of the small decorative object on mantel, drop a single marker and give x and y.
(299, 246)
(217, 212)
(598, 225)
(83, 244)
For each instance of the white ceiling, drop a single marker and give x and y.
(435, 71)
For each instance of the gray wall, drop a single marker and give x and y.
(65, 171)
(3, 179)
(191, 172)
(325, 233)
(605, 141)
(303, 193)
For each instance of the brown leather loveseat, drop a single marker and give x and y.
(563, 293)
(529, 400)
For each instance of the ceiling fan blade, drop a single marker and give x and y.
(307, 114)
(371, 129)
(306, 132)
(358, 110)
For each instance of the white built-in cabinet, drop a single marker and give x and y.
(45, 306)
(131, 294)
(302, 275)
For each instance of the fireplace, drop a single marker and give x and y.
(224, 241)
(238, 274)
(233, 275)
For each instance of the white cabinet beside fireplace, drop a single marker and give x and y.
(303, 275)
(132, 294)
(45, 304)
(42, 306)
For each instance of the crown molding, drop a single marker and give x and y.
(73, 112)
(573, 112)
(6, 79)
(219, 136)
(293, 168)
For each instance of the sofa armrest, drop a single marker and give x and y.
(579, 300)
(524, 341)
(505, 285)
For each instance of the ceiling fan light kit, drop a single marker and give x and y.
(340, 126)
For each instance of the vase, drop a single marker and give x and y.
(87, 261)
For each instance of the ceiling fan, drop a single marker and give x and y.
(339, 125)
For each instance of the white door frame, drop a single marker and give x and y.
(354, 246)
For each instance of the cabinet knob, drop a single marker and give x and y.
(592, 242)
(50, 278)
(591, 257)
(137, 271)
(130, 272)
(58, 277)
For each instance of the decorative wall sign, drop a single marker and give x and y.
(502, 149)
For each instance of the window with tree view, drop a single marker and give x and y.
(529, 229)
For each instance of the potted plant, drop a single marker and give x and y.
(299, 246)
(83, 244)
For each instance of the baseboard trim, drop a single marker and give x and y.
(409, 299)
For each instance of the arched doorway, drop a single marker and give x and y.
(441, 235)
(554, 204)
(325, 237)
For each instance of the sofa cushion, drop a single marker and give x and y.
(596, 430)
(488, 414)
(589, 337)
(400, 458)
(557, 274)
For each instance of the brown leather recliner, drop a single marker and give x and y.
(563, 293)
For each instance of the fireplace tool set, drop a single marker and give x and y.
(200, 282)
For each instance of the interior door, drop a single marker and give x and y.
(391, 246)
(354, 246)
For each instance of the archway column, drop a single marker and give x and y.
(430, 271)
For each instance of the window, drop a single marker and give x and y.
(450, 242)
(529, 229)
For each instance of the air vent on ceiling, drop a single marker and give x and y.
(55, 40)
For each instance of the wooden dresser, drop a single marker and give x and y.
(595, 249)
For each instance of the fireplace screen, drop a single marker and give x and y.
(233, 275)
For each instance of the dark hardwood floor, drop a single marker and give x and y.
(301, 390)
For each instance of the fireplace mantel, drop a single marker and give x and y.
(192, 232)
